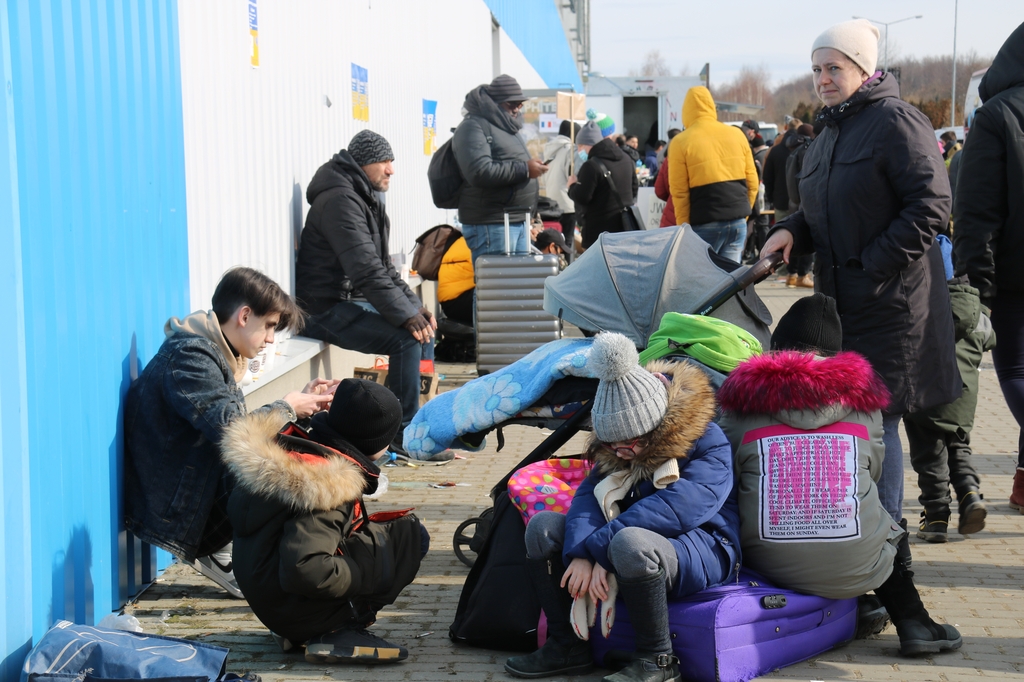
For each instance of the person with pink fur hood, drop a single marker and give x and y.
(805, 423)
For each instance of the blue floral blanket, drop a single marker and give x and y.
(494, 398)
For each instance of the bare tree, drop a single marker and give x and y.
(685, 70)
(750, 86)
(654, 65)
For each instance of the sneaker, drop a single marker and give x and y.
(1017, 496)
(933, 526)
(791, 281)
(971, 513)
(287, 646)
(217, 567)
(353, 645)
(805, 281)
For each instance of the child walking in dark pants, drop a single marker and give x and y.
(656, 518)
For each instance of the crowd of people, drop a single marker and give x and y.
(894, 333)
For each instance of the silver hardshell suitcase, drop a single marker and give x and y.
(510, 316)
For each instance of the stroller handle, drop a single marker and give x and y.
(739, 281)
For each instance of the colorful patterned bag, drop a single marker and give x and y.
(548, 485)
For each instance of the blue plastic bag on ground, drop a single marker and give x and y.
(82, 652)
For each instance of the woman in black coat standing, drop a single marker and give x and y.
(873, 196)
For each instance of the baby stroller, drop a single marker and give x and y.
(638, 273)
(625, 283)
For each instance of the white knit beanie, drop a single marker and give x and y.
(630, 401)
(857, 39)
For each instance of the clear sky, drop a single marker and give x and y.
(731, 34)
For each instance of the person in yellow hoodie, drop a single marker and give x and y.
(455, 283)
(712, 177)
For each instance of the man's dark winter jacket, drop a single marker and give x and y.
(493, 160)
(989, 211)
(599, 203)
(306, 555)
(345, 244)
(874, 194)
(775, 172)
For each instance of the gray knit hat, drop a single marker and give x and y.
(368, 147)
(630, 401)
(857, 39)
(590, 134)
(505, 88)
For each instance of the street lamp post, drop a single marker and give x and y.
(887, 24)
(952, 96)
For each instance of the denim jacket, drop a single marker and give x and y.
(175, 414)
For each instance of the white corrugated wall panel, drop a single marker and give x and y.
(255, 136)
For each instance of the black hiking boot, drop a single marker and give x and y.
(918, 633)
(933, 526)
(563, 653)
(971, 513)
(653, 661)
(872, 617)
(353, 645)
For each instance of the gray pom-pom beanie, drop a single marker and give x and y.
(630, 401)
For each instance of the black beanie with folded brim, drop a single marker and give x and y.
(363, 413)
(811, 325)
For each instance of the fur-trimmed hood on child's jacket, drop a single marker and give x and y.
(691, 407)
(696, 511)
(802, 389)
(304, 546)
(293, 469)
(814, 425)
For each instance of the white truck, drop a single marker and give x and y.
(973, 100)
(637, 103)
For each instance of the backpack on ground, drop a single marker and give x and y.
(445, 177)
(430, 249)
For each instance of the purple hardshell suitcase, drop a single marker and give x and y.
(735, 632)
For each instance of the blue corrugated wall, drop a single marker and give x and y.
(93, 260)
(536, 28)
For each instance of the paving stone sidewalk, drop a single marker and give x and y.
(973, 582)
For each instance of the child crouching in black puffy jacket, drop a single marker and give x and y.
(313, 564)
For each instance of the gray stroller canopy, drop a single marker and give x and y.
(627, 281)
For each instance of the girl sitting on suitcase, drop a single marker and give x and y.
(657, 518)
(806, 424)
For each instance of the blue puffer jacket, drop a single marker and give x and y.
(701, 503)
(175, 415)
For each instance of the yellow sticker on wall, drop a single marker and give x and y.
(254, 32)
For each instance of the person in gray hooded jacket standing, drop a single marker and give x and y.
(498, 171)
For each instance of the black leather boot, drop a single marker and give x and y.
(919, 634)
(563, 653)
(903, 548)
(647, 605)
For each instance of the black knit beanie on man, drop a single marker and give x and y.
(363, 414)
(505, 88)
(368, 147)
(811, 325)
